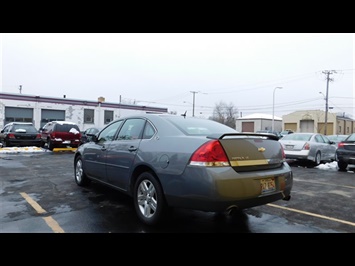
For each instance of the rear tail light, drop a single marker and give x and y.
(38, 136)
(306, 146)
(11, 136)
(210, 154)
(283, 152)
(340, 145)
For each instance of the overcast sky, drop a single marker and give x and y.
(169, 69)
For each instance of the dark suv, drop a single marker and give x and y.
(59, 134)
(20, 134)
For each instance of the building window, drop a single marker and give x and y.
(89, 116)
(347, 130)
(108, 116)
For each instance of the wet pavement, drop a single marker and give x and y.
(38, 194)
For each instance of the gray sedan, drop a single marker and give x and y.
(313, 148)
(164, 161)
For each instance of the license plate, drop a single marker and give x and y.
(289, 147)
(267, 185)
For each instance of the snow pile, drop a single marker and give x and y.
(30, 149)
(327, 166)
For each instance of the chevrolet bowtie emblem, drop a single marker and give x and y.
(261, 149)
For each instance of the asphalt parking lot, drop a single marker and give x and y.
(38, 195)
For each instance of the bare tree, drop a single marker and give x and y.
(225, 113)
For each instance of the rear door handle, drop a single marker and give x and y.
(132, 148)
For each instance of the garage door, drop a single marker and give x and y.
(15, 114)
(290, 126)
(307, 125)
(51, 115)
(247, 126)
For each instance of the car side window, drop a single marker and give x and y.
(319, 139)
(131, 129)
(109, 132)
(326, 139)
(149, 131)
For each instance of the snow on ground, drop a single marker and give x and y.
(326, 166)
(30, 149)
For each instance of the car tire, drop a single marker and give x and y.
(81, 178)
(7, 143)
(149, 201)
(50, 145)
(3, 144)
(342, 165)
(43, 144)
(317, 159)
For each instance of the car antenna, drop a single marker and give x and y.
(184, 114)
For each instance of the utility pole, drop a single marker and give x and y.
(327, 72)
(273, 108)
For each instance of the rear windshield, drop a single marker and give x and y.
(66, 128)
(28, 128)
(302, 137)
(199, 127)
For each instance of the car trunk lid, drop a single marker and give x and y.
(250, 151)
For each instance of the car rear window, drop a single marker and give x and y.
(199, 127)
(351, 137)
(302, 137)
(66, 127)
(28, 128)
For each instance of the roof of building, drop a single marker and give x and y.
(260, 116)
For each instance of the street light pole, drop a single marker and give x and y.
(273, 108)
(193, 103)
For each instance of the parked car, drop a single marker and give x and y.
(164, 161)
(19, 134)
(286, 132)
(58, 134)
(312, 148)
(86, 136)
(345, 153)
(337, 138)
(278, 134)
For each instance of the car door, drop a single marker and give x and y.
(330, 148)
(95, 153)
(3, 133)
(122, 152)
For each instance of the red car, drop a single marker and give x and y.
(59, 134)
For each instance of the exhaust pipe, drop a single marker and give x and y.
(287, 198)
(232, 209)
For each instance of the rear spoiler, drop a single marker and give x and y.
(245, 134)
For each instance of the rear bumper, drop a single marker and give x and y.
(298, 155)
(220, 189)
(61, 143)
(345, 156)
(23, 143)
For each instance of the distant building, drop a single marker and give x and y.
(258, 121)
(314, 121)
(41, 109)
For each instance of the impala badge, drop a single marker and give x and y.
(261, 149)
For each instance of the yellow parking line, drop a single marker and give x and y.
(49, 220)
(53, 224)
(312, 214)
(33, 203)
(323, 183)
